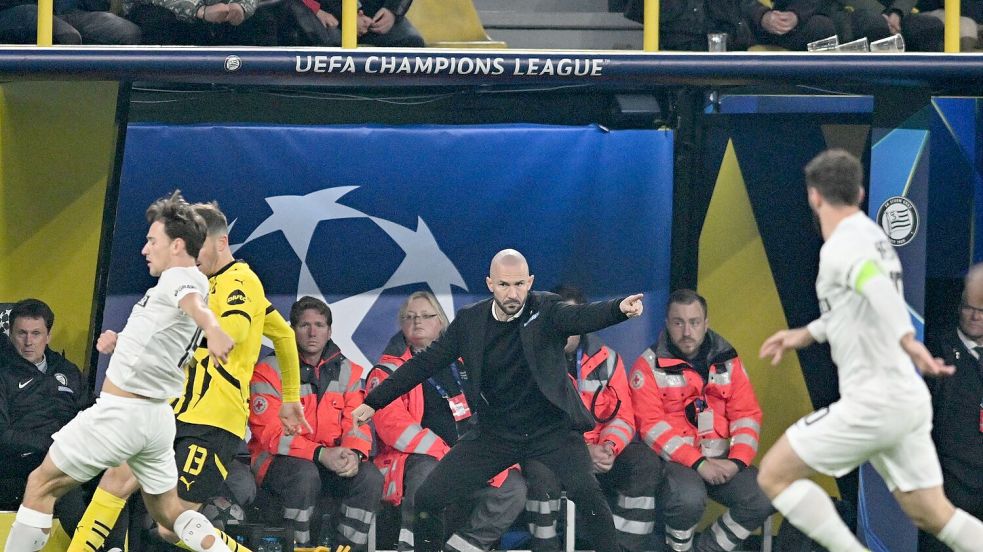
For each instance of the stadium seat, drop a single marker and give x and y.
(450, 24)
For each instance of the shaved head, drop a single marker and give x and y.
(509, 280)
(507, 258)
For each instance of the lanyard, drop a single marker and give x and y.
(580, 362)
(440, 389)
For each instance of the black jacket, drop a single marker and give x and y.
(547, 322)
(34, 405)
(956, 404)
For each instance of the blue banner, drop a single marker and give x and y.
(363, 215)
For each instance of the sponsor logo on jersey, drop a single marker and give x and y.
(237, 297)
(899, 219)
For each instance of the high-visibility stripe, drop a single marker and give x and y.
(714, 448)
(298, 515)
(745, 439)
(721, 537)
(456, 542)
(636, 502)
(358, 514)
(542, 506)
(656, 432)
(407, 436)
(742, 423)
(738, 530)
(425, 443)
(283, 447)
(406, 536)
(353, 535)
(672, 446)
(264, 388)
(543, 532)
(633, 527)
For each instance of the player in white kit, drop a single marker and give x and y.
(132, 421)
(884, 414)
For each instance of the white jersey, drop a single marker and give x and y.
(872, 365)
(158, 337)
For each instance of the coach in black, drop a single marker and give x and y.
(518, 387)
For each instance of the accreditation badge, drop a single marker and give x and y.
(459, 407)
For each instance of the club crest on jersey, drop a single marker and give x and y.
(637, 380)
(259, 405)
(899, 219)
(61, 378)
(237, 297)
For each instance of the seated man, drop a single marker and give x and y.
(40, 391)
(956, 407)
(877, 19)
(379, 23)
(626, 469)
(789, 24)
(187, 22)
(298, 469)
(74, 22)
(417, 430)
(684, 24)
(695, 406)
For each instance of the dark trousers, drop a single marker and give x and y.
(962, 497)
(299, 483)
(631, 484)
(489, 513)
(921, 33)
(684, 498)
(815, 28)
(480, 455)
(100, 27)
(19, 25)
(161, 26)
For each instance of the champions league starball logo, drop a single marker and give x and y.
(298, 217)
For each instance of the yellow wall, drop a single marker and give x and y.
(57, 144)
(736, 280)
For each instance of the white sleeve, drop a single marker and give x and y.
(176, 283)
(890, 307)
(817, 328)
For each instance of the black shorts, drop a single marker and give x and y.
(202, 454)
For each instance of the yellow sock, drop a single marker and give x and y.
(99, 518)
(229, 541)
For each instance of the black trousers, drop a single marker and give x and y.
(480, 455)
(632, 483)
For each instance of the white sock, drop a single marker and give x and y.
(963, 533)
(194, 528)
(29, 532)
(806, 506)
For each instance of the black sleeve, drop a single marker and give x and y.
(15, 440)
(443, 351)
(581, 319)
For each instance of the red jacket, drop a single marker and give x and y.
(601, 368)
(665, 388)
(333, 390)
(398, 426)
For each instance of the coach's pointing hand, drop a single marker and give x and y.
(632, 305)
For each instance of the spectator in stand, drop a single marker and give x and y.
(877, 19)
(195, 22)
(74, 22)
(789, 24)
(969, 15)
(684, 24)
(379, 23)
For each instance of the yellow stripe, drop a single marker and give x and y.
(221, 467)
(867, 271)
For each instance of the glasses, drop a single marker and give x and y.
(414, 318)
(971, 309)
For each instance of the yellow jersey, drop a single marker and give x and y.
(218, 394)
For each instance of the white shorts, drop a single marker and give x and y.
(896, 441)
(117, 429)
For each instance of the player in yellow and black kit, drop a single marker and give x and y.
(214, 408)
